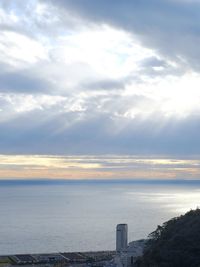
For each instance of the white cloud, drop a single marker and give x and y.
(19, 50)
(58, 65)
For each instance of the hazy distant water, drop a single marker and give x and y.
(81, 216)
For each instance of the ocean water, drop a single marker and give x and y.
(81, 216)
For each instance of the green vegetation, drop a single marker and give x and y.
(4, 261)
(174, 244)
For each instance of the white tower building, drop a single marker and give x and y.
(121, 237)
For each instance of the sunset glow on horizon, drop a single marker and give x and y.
(97, 167)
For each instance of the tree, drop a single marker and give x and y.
(174, 244)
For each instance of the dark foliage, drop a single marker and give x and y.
(174, 244)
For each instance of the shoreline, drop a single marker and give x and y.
(57, 257)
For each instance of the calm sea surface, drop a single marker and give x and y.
(82, 216)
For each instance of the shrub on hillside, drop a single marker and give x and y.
(174, 244)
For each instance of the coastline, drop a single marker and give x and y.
(50, 259)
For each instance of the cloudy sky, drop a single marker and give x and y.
(99, 89)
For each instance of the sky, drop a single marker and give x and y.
(100, 89)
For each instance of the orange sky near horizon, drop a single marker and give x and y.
(96, 167)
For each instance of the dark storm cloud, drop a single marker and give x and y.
(170, 27)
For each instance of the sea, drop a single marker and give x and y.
(58, 216)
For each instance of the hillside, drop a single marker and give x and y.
(174, 244)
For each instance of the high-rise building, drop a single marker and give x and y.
(121, 237)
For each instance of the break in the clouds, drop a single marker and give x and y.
(100, 77)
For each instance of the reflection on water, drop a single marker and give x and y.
(82, 216)
(175, 202)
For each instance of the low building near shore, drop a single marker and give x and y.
(74, 257)
(127, 253)
(23, 259)
(100, 255)
(48, 257)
